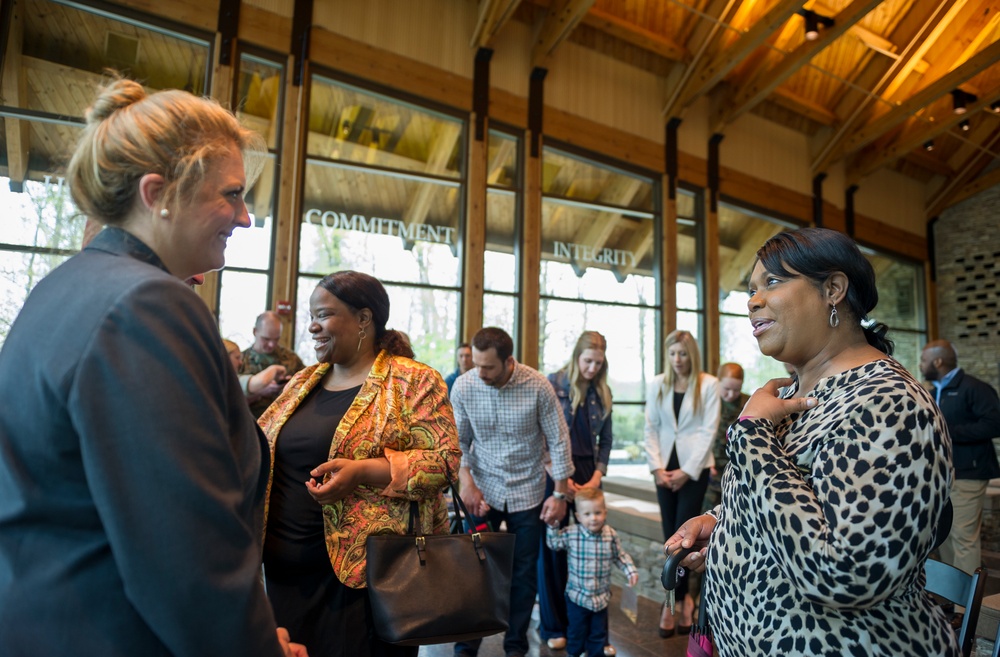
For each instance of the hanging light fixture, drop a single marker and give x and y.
(964, 125)
(929, 145)
(995, 107)
(959, 99)
(813, 21)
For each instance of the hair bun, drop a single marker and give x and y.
(120, 93)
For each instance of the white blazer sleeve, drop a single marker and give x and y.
(652, 431)
(702, 431)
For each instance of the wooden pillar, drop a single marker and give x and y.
(712, 265)
(294, 133)
(15, 93)
(849, 209)
(284, 279)
(222, 91)
(531, 228)
(668, 244)
(930, 282)
(474, 242)
(817, 199)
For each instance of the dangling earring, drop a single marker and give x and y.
(164, 213)
(361, 337)
(834, 317)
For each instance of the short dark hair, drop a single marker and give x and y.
(464, 345)
(816, 253)
(492, 337)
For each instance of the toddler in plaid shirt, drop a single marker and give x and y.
(592, 547)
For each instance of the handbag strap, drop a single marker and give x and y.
(413, 527)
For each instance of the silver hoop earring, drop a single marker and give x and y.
(361, 337)
(834, 317)
(164, 213)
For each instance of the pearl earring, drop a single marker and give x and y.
(164, 213)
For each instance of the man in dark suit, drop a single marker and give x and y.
(972, 410)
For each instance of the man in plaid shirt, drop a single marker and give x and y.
(593, 547)
(509, 422)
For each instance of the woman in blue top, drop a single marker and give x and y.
(583, 392)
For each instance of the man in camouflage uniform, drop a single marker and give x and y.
(264, 352)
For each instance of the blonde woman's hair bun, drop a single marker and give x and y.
(119, 93)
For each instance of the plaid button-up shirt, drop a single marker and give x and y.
(505, 434)
(590, 559)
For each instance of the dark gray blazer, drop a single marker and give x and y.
(130, 470)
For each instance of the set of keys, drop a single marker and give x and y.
(672, 571)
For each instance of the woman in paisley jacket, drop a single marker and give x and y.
(836, 484)
(353, 440)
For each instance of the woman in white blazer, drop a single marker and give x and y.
(682, 414)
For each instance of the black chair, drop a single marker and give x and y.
(996, 644)
(960, 588)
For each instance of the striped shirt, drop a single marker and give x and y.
(507, 433)
(590, 558)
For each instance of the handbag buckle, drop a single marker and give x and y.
(421, 549)
(477, 541)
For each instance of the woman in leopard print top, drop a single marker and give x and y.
(832, 498)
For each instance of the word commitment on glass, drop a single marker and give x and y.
(382, 226)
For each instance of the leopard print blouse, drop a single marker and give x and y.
(826, 521)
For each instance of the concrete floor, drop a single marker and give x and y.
(631, 640)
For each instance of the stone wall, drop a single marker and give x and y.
(967, 254)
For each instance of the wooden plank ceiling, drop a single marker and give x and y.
(873, 90)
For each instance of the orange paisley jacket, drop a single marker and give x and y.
(402, 412)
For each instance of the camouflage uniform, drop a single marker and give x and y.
(254, 362)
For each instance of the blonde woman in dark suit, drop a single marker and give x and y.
(131, 485)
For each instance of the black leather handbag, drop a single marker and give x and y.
(427, 589)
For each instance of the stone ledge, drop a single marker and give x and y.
(643, 489)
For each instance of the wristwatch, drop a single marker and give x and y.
(559, 496)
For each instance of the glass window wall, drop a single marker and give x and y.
(384, 194)
(599, 272)
(65, 51)
(503, 200)
(245, 283)
(741, 233)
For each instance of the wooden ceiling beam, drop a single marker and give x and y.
(493, 14)
(638, 244)
(699, 29)
(505, 152)
(420, 203)
(804, 106)
(981, 128)
(925, 160)
(562, 17)
(949, 193)
(968, 33)
(978, 185)
(636, 35)
(871, 160)
(740, 263)
(854, 105)
(704, 34)
(620, 191)
(761, 85)
(713, 72)
(875, 41)
(909, 64)
(976, 64)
